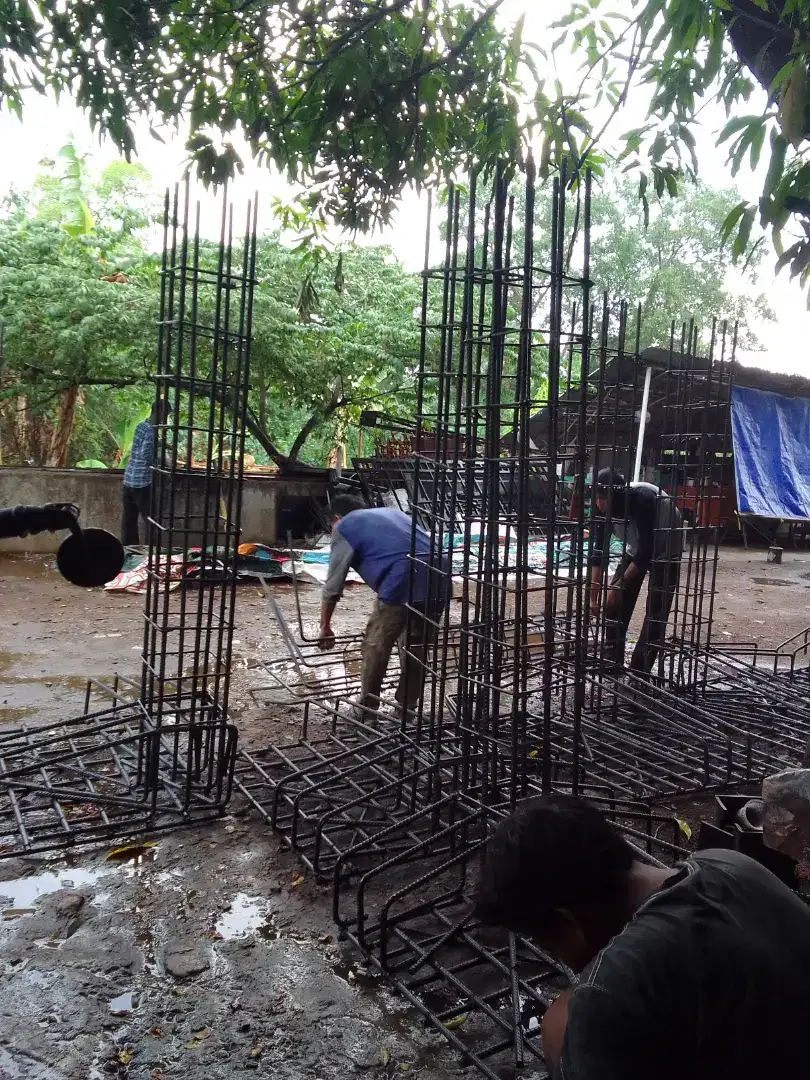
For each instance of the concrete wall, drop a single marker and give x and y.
(98, 493)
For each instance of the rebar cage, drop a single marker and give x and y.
(530, 385)
(529, 389)
(164, 754)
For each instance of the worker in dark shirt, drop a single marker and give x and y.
(377, 544)
(651, 526)
(694, 973)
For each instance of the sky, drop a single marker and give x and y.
(47, 125)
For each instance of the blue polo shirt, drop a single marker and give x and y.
(380, 540)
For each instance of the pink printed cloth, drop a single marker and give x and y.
(134, 581)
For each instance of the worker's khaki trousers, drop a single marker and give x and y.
(388, 623)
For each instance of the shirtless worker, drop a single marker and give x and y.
(693, 973)
(646, 518)
(377, 544)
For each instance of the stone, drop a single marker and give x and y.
(786, 813)
(184, 958)
(67, 904)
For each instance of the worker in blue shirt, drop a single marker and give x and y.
(377, 544)
(137, 492)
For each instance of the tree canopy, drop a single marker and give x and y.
(355, 99)
(333, 333)
(358, 99)
(78, 300)
(682, 56)
(675, 267)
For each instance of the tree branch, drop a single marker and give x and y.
(305, 432)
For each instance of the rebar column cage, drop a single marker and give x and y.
(201, 401)
(529, 385)
(165, 756)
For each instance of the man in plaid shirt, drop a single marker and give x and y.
(137, 491)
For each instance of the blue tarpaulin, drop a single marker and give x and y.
(771, 453)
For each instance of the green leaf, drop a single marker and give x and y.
(776, 167)
(738, 124)
(731, 220)
(794, 103)
(90, 463)
(743, 233)
(516, 40)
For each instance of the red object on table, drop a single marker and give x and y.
(715, 505)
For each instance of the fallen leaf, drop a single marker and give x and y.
(386, 1057)
(214, 935)
(201, 1033)
(255, 1052)
(125, 1056)
(404, 1066)
(685, 828)
(158, 1074)
(155, 1032)
(131, 851)
(455, 1022)
(298, 879)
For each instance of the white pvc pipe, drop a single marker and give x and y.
(642, 424)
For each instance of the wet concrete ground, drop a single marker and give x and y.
(198, 958)
(215, 950)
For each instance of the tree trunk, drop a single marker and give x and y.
(310, 426)
(20, 428)
(252, 424)
(64, 428)
(761, 40)
(262, 397)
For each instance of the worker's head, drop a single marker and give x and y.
(610, 486)
(343, 505)
(556, 871)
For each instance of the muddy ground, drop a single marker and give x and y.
(217, 957)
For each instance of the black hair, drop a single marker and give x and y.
(344, 504)
(611, 478)
(552, 853)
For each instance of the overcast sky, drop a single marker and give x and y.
(46, 126)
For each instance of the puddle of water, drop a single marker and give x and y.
(355, 975)
(49, 943)
(58, 682)
(771, 581)
(8, 660)
(22, 893)
(21, 566)
(246, 915)
(13, 716)
(123, 1004)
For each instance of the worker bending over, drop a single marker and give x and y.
(377, 544)
(700, 972)
(651, 526)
